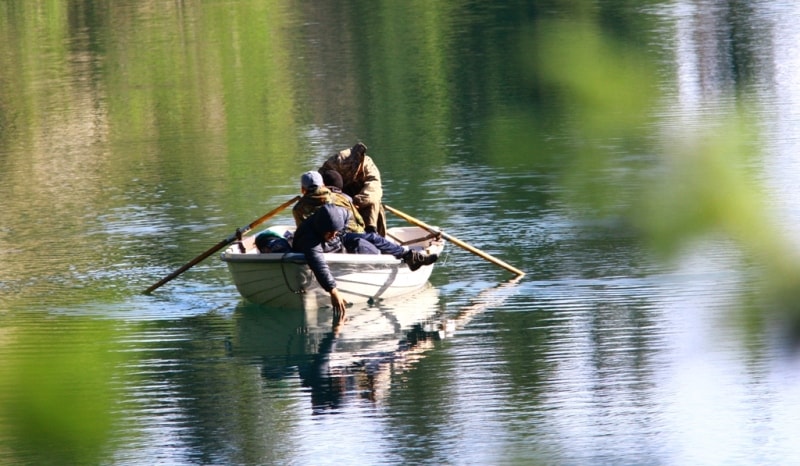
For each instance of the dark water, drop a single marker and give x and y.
(135, 135)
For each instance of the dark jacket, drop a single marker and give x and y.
(310, 238)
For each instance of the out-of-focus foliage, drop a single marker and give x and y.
(59, 391)
(606, 91)
(695, 185)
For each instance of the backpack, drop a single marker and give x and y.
(270, 242)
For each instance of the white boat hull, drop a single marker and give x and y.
(285, 280)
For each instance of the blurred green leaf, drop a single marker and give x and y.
(59, 390)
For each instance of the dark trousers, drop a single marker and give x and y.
(370, 243)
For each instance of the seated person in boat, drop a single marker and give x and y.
(362, 182)
(325, 229)
(333, 181)
(314, 194)
(352, 237)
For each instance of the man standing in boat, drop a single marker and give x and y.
(362, 182)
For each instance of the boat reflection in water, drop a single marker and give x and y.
(357, 356)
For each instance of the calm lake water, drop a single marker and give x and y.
(135, 135)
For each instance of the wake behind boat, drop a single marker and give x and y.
(285, 280)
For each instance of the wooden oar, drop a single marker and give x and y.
(454, 240)
(230, 239)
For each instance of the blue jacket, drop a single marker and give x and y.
(310, 240)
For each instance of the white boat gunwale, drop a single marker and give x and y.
(398, 235)
(285, 280)
(300, 258)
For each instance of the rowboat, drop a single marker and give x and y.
(285, 280)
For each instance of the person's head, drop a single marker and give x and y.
(359, 149)
(310, 181)
(328, 236)
(333, 178)
(329, 220)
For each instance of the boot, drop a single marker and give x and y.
(415, 259)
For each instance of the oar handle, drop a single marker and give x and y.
(455, 240)
(230, 239)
